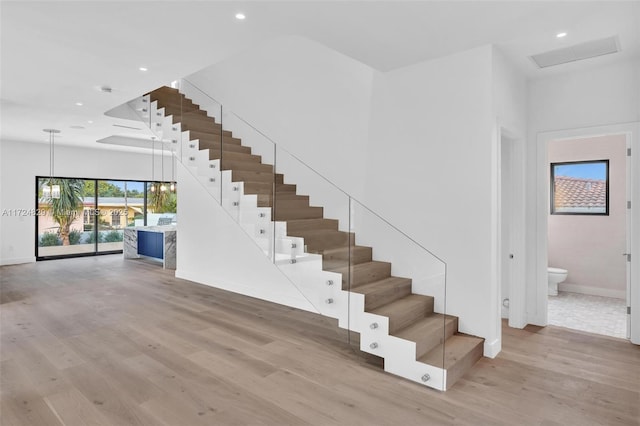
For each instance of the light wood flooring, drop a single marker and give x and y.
(103, 341)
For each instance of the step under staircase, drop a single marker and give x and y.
(394, 323)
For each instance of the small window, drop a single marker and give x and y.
(115, 218)
(580, 187)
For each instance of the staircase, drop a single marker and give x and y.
(394, 323)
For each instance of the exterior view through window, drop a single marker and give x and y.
(80, 217)
(580, 188)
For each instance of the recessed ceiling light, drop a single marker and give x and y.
(143, 69)
(560, 35)
(240, 16)
(90, 121)
(79, 103)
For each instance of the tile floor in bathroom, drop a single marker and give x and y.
(594, 314)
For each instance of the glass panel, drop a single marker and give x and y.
(65, 223)
(403, 291)
(120, 204)
(248, 179)
(201, 142)
(161, 204)
(389, 301)
(313, 246)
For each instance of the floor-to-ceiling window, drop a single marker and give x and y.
(84, 217)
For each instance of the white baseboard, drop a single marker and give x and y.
(17, 260)
(492, 349)
(592, 291)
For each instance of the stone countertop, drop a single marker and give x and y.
(163, 228)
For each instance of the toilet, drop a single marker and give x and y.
(555, 277)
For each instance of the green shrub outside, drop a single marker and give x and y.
(49, 239)
(74, 237)
(92, 238)
(113, 237)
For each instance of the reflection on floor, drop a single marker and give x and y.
(594, 314)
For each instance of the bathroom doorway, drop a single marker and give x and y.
(588, 236)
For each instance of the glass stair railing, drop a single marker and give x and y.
(386, 289)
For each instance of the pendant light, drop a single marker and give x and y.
(51, 190)
(153, 164)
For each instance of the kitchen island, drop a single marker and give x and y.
(156, 242)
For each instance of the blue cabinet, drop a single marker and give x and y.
(151, 244)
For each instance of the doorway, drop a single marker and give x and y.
(629, 291)
(511, 207)
(587, 234)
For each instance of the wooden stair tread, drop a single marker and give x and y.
(379, 293)
(340, 257)
(265, 198)
(403, 312)
(213, 137)
(290, 196)
(455, 347)
(411, 316)
(215, 150)
(267, 188)
(459, 353)
(251, 176)
(298, 213)
(175, 108)
(239, 156)
(429, 332)
(323, 239)
(363, 273)
(202, 124)
(249, 166)
(296, 226)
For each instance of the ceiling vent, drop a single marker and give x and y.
(578, 52)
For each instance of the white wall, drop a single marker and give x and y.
(22, 161)
(510, 109)
(309, 99)
(418, 145)
(590, 247)
(509, 95)
(214, 250)
(602, 96)
(429, 172)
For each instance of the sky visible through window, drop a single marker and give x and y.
(584, 171)
(131, 185)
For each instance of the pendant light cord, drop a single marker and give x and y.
(153, 162)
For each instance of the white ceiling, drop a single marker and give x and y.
(54, 54)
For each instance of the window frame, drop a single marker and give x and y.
(96, 251)
(553, 210)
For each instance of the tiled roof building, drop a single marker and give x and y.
(579, 195)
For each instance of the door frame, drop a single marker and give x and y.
(517, 316)
(538, 307)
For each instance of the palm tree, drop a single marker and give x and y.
(162, 201)
(66, 208)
